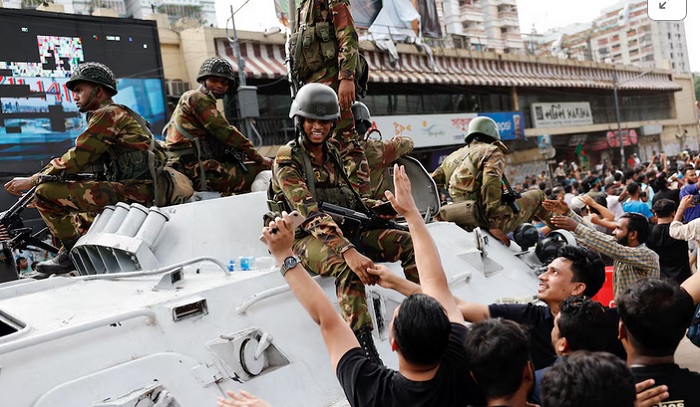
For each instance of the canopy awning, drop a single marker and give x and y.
(267, 61)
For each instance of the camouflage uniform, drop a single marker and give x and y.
(380, 154)
(490, 159)
(196, 113)
(111, 132)
(320, 244)
(331, 72)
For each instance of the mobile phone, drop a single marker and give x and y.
(296, 218)
(695, 199)
(384, 209)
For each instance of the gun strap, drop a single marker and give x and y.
(198, 149)
(152, 166)
(341, 170)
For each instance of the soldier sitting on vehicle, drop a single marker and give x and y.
(380, 153)
(202, 144)
(474, 176)
(116, 139)
(308, 172)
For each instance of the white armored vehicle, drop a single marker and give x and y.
(155, 317)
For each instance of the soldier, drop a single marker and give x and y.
(380, 153)
(475, 173)
(202, 144)
(324, 49)
(308, 171)
(116, 139)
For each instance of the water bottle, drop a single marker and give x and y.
(232, 265)
(246, 263)
(265, 263)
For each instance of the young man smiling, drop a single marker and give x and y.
(576, 271)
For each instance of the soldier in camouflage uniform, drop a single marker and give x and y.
(202, 144)
(325, 49)
(380, 153)
(116, 139)
(486, 154)
(320, 243)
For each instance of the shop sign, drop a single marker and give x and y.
(561, 114)
(577, 139)
(629, 137)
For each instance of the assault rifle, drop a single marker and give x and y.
(15, 233)
(352, 223)
(12, 228)
(509, 195)
(238, 157)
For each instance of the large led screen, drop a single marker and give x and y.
(38, 118)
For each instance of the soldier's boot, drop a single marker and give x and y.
(60, 264)
(367, 344)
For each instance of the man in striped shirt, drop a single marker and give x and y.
(632, 258)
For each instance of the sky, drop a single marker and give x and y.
(259, 15)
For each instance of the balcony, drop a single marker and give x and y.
(471, 13)
(509, 2)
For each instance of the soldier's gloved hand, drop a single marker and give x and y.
(498, 234)
(359, 265)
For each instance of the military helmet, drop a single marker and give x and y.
(93, 72)
(216, 66)
(482, 125)
(360, 112)
(315, 101)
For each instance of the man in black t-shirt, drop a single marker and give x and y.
(673, 254)
(576, 271)
(654, 315)
(427, 330)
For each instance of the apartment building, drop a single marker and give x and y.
(484, 25)
(622, 34)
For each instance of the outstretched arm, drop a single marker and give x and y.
(430, 271)
(337, 335)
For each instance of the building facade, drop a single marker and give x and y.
(622, 34)
(483, 25)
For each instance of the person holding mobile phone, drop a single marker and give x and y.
(309, 171)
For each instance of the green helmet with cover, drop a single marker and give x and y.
(315, 101)
(93, 72)
(485, 126)
(216, 66)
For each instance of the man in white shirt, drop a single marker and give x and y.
(613, 201)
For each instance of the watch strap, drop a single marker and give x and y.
(285, 268)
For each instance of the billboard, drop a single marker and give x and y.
(510, 124)
(38, 118)
(426, 130)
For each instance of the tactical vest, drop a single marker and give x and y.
(134, 164)
(339, 194)
(312, 44)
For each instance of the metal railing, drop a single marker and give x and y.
(272, 130)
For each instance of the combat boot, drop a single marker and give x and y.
(61, 264)
(367, 344)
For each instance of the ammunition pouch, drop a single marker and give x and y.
(341, 196)
(311, 47)
(465, 213)
(130, 165)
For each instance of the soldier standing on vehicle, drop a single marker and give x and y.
(380, 153)
(474, 176)
(116, 144)
(308, 172)
(324, 49)
(202, 144)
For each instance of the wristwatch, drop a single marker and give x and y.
(288, 264)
